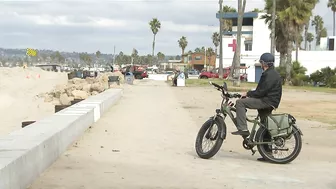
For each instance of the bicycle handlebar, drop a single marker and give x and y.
(232, 95)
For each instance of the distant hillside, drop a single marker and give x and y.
(18, 57)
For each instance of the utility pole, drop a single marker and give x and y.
(205, 57)
(273, 28)
(114, 55)
(220, 40)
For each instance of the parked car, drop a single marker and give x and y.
(214, 73)
(138, 71)
(193, 72)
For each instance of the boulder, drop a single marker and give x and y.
(48, 98)
(94, 93)
(78, 88)
(80, 94)
(97, 87)
(69, 89)
(90, 80)
(87, 88)
(65, 100)
(76, 81)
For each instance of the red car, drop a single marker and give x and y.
(138, 71)
(214, 73)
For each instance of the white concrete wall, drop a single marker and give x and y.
(315, 60)
(244, 28)
(27, 152)
(312, 60)
(261, 36)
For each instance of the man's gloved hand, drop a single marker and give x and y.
(243, 95)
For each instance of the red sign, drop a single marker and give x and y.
(233, 45)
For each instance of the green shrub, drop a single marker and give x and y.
(300, 80)
(326, 76)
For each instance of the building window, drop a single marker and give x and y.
(248, 47)
(198, 57)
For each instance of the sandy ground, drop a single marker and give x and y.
(147, 141)
(19, 95)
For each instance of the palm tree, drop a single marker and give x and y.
(332, 5)
(215, 40)
(98, 54)
(294, 16)
(291, 16)
(236, 57)
(198, 50)
(318, 23)
(209, 53)
(155, 25)
(183, 43)
(280, 35)
(256, 10)
(227, 23)
(134, 56)
(306, 27)
(324, 32)
(160, 56)
(309, 38)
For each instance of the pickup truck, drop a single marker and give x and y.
(226, 71)
(139, 72)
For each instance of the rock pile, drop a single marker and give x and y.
(80, 88)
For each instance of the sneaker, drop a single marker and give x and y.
(242, 133)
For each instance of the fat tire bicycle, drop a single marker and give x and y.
(269, 147)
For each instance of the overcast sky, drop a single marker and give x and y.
(91, 25)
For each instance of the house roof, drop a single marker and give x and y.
(229, 15)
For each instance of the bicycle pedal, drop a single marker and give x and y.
(253, 152)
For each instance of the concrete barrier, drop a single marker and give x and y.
(163, 77)
(158, 77)
(26, 153)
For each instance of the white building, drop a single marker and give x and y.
(256, 40)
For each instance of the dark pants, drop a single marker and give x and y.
(247, 103)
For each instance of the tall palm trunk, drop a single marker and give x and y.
(282, 59)
(289, 60)
(305, 35)
(297, 43)
(153, 47)
(334, 19)
(182, 55)
(241, 9)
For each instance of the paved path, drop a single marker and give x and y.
(147, 141)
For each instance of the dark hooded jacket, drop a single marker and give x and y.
(269, 88)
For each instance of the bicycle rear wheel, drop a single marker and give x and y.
(278, 152)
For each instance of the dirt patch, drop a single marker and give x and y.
(311, 106)
(314, 111)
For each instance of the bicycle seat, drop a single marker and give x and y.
(270, 109)
(265, 112)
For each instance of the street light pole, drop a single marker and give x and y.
(114, 55)
(220, 40)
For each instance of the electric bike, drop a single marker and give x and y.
(273, 133)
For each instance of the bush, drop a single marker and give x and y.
(282, 72)
(326, 76)
(300, 80)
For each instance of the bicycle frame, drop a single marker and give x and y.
(226, 109)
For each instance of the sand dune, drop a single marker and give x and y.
(19, 90)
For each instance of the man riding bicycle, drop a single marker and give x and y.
(266, 96)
